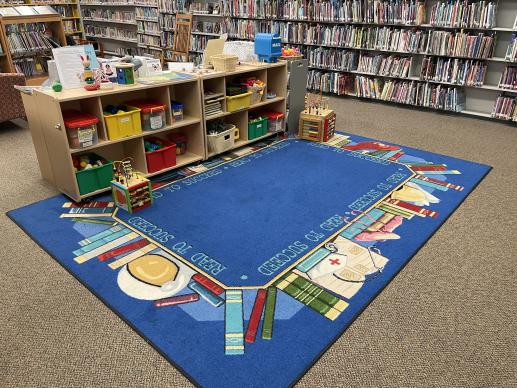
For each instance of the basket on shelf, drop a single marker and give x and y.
(224, 62)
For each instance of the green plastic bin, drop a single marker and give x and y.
(257, 128)
(95, 178)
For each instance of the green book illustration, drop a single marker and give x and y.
(269, 313)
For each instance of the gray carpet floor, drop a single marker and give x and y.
(448, 319)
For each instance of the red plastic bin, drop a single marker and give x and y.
(162, 158)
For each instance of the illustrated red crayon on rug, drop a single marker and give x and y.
(207, 283)
(126, 248)
(176, 300)
(256, 314)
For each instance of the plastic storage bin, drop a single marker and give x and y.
(152, 114)
(222, 141)
(275, 121)
(162, 158)
(257, 127)
(95, 178)
(240, 101)
(81, 129)
(256, 93)
(177, 111)
(123, 124)
(180, 139)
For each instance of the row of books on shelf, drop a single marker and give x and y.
(109, 14)
(453, 70)
(71, 25)
(508, 78)
(447, 43)
(450, 13)
(64, 10)
(108, 2)
(26, 43)
(198, 42)
(511, 51)
(209, 27)
(146, 13)
(143, 3)
(149, 40)
(464, 13)
(445, 70)
(110, 32)
(415, 93)
(167, 22)
(505, 108)
(31, 67)
(167, 39)
(144, 26)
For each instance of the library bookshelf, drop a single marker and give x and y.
(44, 110)
(52, 23)
(275, 77)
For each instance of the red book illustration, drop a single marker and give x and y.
(89, 204)
(126, 248)
(414, 208)
(256, 314)
(175, 300)
(370, 145)
(203, 280)
(439, 182)
(429, 168)
(396, 156)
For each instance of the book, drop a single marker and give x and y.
(131, 256)
(101, 235)
(105, 247)
(395, 211)
(102, 241)
(233, 323)
(209, 284)
(418, 210)
(96, 204)
(438, 182)
(269, 313)
(124, 249)
(206, 294)
(256, 314)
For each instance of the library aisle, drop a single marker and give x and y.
(447, 319)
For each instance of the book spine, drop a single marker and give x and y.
(430, 184)
(175, 300)
(206, 294)
(413, 208)
(396, 211)
(316, 291)
(106, 247)
(207, 283)
(100, 235)
(312, 260)
(444, 172)
(269, 313)
(428, 168)
(256, 314)
(124, 249)
(93, 220)
(233, 323)
(439, 182)
(89, 204)
(100, 242)
(132, 256)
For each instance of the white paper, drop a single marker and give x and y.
(184, 67)
(69, 65)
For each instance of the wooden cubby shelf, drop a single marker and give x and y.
(45, 109)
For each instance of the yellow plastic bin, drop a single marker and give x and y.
(240, 101)
(123, 124)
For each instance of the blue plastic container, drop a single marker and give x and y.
(268, 47)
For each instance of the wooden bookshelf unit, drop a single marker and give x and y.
(44, 109)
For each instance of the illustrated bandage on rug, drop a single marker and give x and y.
(348, 275)
(152, 277)
(411, 192)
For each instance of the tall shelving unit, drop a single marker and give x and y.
(68, 9)
(113, 23)
(52, 23)
(294, 27)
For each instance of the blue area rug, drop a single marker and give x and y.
(248, 267)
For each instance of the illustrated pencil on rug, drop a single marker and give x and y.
(256, 314)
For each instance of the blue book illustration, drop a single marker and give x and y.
(206, 294)
(234, 323)
(100, 235)
(101, 242)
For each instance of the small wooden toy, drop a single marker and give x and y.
(317, 121)
(125, 73)
(131, 190)
(88, 74)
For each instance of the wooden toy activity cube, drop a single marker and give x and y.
(131, 190)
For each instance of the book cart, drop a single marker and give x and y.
(44, 110)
